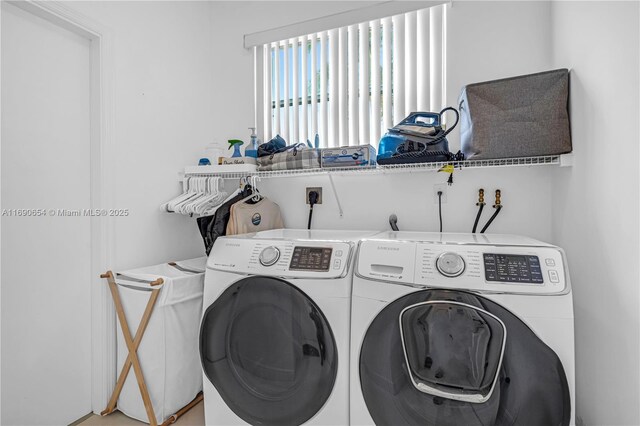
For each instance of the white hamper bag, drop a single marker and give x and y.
(168, 353)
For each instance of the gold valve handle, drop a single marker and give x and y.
(480, 198)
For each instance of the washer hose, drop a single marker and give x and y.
(481, 204)
(475, 224)
(498, 207)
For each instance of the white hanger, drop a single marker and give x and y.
(216, 196)
(165, 206)
(254, 180)
(170, 206)
(212, 209)
(255, 196)
(210, 195)
(195, 193)
(203, 190)
(203, 194)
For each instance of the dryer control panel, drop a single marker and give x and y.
(470, 266)
(282, 258)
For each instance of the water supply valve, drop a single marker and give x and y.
(497, 204)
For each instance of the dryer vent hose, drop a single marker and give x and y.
(393, 222)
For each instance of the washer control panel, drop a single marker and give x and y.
(282, 258)
(472, 266)
(512, 268)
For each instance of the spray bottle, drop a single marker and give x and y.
(252, 148)
(235, 144)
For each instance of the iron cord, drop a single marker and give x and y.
(498, 208)
(475, 224)
(440, 208)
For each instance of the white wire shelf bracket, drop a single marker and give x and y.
(379, 169)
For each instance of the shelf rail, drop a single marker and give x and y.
(379, 169)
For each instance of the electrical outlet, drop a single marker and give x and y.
(440, 187)
(318, 189)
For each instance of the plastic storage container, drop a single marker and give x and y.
(168, 353)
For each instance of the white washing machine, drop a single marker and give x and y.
(461, 329)
(274, 338)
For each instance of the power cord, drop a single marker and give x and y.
(313, 199)
(440, 208)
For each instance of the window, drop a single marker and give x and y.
(350, 84)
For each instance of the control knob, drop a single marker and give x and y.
(450, 264)
(269, 256)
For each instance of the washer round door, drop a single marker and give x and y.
(269, 351)
(440, 357)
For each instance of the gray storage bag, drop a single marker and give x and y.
(524, 116)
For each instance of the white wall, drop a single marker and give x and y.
(163, 119)
(476, 30)
(595, 202)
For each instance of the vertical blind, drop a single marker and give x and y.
(350, 84)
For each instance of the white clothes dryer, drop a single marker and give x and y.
(274, 337)
(461, 329)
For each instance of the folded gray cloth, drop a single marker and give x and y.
(295, 158)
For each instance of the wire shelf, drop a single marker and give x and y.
(379, 169)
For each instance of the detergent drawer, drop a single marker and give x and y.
(392, 261)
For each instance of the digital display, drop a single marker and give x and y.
(310, 259)
(512, 268)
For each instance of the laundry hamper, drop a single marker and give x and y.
(168, 353)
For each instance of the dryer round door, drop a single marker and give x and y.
(441, 357)
(269, 351)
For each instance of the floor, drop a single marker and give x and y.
(193, 417)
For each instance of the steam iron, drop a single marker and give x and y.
(412, 129)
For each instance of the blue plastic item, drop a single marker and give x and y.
(400, 133)
(236, 144)
(252, 148)
(204, 162)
